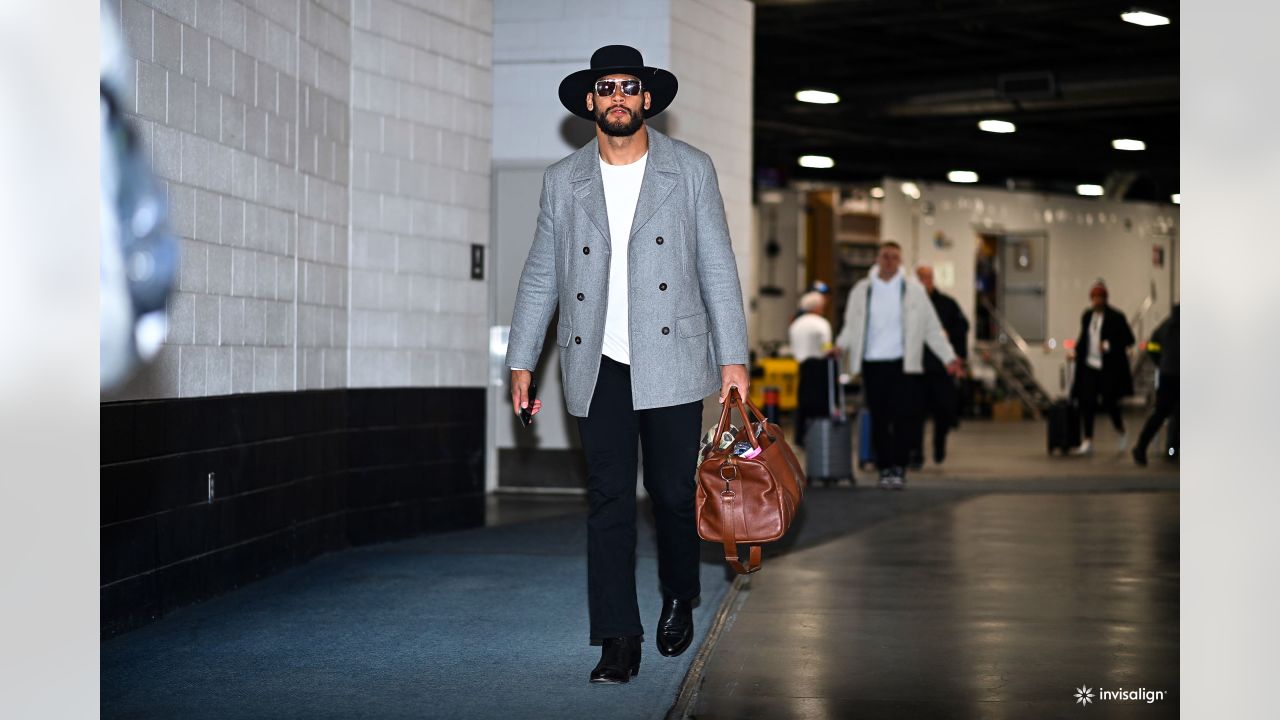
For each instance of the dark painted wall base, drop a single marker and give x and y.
(542, 468)
(294, 475)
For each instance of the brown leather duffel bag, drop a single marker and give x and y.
(750, 497)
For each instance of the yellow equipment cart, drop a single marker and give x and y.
(782, 373)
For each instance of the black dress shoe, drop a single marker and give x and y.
(619, 660)
(675, 626)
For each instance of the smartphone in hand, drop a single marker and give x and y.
(526, 415)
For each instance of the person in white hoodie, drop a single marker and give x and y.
(888, 320)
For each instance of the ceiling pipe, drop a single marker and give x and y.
(1117, 184)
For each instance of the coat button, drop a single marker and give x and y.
(666, 331)
(577, 340)
(581, 296)
(662, 286)
(659, 239)
(586, 251)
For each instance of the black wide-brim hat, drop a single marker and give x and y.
(623, 60)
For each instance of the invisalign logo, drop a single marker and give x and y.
(1084, 695)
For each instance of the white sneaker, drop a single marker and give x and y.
(1086, 448)
(1123, 443)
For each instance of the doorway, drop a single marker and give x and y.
(1011, 277)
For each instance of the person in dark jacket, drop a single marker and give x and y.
(1164, 343)
(938, 398)
(1102, 375)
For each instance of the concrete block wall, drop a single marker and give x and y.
(713, 55)
(421, 107)
(321, 186)
(246, 110)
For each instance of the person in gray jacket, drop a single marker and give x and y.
(888, 320)
(633, 247)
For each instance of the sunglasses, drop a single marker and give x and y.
(605, 88)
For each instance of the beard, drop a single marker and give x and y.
(618, 128)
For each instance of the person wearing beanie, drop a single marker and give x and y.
(1102, 374)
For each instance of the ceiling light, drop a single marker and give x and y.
(877, 192)
(818, 97)
(996, 126)
(911, 190)
(1177, 198)
(1125, 144)
(816, 161)
(1144, 18)
(962, 176)
(1090, 190)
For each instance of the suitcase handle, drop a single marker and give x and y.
(835, 410)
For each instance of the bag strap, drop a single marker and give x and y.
(745, 404)
(732, 514)
(723, 425)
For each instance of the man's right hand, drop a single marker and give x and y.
(520, 380)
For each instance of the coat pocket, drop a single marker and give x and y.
(692, 326)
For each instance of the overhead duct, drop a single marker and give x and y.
(1027, 86)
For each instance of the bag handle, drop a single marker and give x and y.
(735, 400)
(732, 514)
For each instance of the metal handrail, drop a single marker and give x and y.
(1005, 328)
(1007, 331)
(1138, 323)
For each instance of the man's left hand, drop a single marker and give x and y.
(733, 375)
(956, 367)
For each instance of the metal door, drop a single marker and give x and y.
(1023, 280)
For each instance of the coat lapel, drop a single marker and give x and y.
(660, 173)
(588, 188)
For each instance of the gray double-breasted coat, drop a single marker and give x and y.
(685, 302)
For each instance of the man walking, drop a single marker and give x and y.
(1165, 346)
(633, 246)
(938, 387)
(888, 320)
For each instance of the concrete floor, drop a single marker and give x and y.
(993, 587)
(995, 607)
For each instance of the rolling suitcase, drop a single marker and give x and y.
(828, 441)
(1064, 426)
(866, 449)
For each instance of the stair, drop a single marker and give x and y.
(1014, 375)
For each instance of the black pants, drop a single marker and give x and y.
(1090, 383)
(1166, 405)
(669, 439)
(937, 401)
(892, 396)
(813, 395)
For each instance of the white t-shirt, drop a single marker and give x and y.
(621, 191)
(884, 318)
(1094, 358)
(810, 336)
